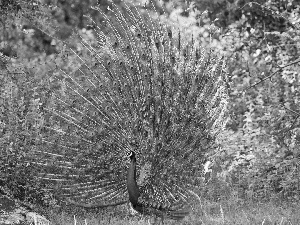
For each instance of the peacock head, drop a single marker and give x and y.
(131, 155)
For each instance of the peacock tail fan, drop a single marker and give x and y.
(138, 86)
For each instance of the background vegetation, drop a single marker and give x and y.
(258, 156)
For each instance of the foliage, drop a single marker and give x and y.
(262, 155)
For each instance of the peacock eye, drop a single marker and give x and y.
(138, 34)
(115, 44)
(127, 48)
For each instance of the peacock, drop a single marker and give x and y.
(145, 207)
(131, 118)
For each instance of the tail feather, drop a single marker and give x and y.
(167, 210)
(178, 214)
(139, 88)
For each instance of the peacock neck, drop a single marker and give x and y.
(132, 187)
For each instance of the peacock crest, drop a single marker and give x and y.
(136, 87)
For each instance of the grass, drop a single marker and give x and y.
(206, 213)
(225, 211)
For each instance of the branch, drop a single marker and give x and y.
(273, 12)
(267, 77)
(298, 114)
(284, 131)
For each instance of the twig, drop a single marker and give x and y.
(298, 114)
(278, 70)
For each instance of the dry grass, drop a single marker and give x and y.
(206, 213)
(228, 210)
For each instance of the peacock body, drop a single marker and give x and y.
(143, 91)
